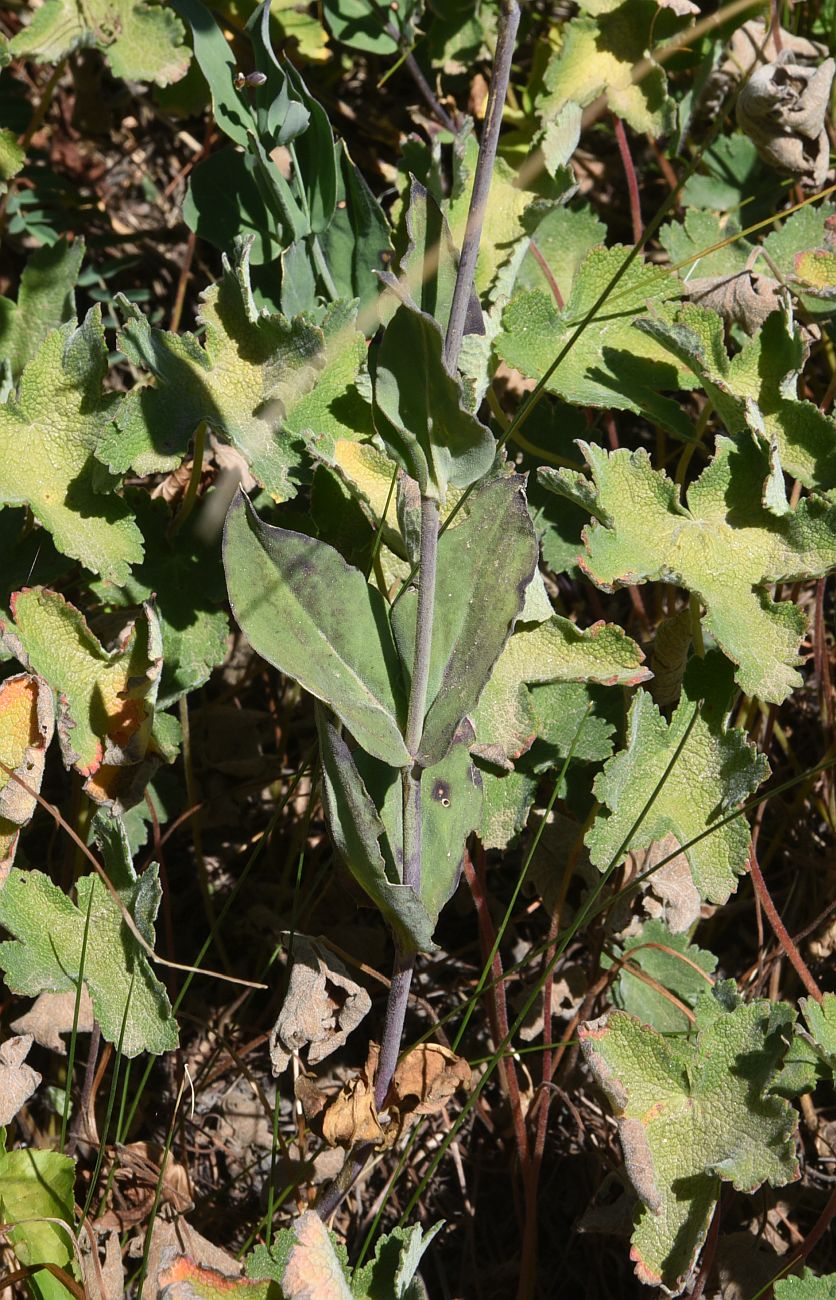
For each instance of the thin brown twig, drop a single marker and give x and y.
(781, 933)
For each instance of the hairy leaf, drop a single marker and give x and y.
(485, 565)
(26, 727)
(806, 1287)
(48, 930)
(669, 961)
(603, 368)
(243, 384)
(106, 699)
(554, 651)
(725, 547)
(313, 617)
(45, 300)
(757, 389)
(50, 435)
(691, 1114)
(141, 42)
(678, 778)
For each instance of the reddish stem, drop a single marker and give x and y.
(708, 1255)
(822, 657)
(547, 272)
(781, 933)
(632, 180)
(497, 1006)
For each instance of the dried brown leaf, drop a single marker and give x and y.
(17, 1080)
(104, 1279)
(51, 1015)
(425, 1080)
(782, 108)
(323, 1005)
(351, 1116)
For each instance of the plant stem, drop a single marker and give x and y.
(509, 21)
(779, 929)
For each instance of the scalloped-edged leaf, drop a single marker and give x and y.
(503, 226)
(185, 578)
(45, 953)
(604, 367)
(693, 1113)
(669, 961)
(335, 408)
(757, 388)
(485, 565)
(27, 722)
(553, 651)
(725, 547)
(12, 157)
(563, 238)
(315, 618)
(598, 56)
(36, 1198)
(106, 698)
(244, 384)
(715, 769)
(184, 1277)
(390, 1274)
(686, 243)
(141, 42)
(45, 300)
(806, 1287)
(358, 830)
(50, 434)
(420, 410)
(820, 1018)
(506, 802)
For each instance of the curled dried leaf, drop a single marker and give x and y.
(17, 1079)
(52, 1014)
(351, 1116)
(323, 1005)
(752, 44)
(782, 108)
(745, 298)
(425, 1080)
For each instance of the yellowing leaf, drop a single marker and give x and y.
(50, 435)
(678, 778)
(244, 384)
(553, 651)
(598, 57)
(37, 1186)
(725, 547)
(106, 698)
(691, 1114)
(26, 726)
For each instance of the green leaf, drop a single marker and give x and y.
(224, 201)
(357, 242)
(604, 367)
(505, 807)
(451, 805)
(789, 248)
(597, 57)
(806, 1287)
(106, 698)
(185, 578)
(45, 300)
(430, 261)
(26, 727)
(503, 225)
(691, 1114)
(230, 107)
(36, 1186)
(243, 384)
(686, 243)
(140, 42)
(48, 930)
(312, 616)
(485, 564)
(335, 407)
(554, 651)
(725, 547)
(50, 435)
(714, 770)
(735, 180)
(820, 1018)
(757, 389)
(397, 1254)
(419, 408)
(669, 960)
(12, 157)
(357, 830)
(563, 237)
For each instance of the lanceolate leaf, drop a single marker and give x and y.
(357, 830)
(419, 408)
(704, 770)
(243, 384)
(757, 389)
(553, 651)
(691, 1114)
(725, 547)
(604, 367)
(26, 727)
(48, 930)
(316, 619)
(485, 565)
(50, 435)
